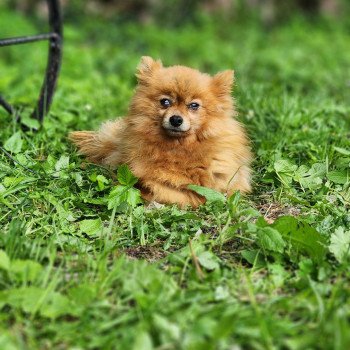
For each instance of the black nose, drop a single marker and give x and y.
(176, 120)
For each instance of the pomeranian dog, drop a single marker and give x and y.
(179, 130)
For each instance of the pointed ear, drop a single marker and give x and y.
(223, 82)
(146, 68)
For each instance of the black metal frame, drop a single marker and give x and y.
(55, 38)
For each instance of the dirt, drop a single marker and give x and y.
(145, 252)
(274, 210)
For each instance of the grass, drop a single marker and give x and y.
(269, 271)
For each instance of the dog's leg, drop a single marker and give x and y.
(103, 146)
(162, 193)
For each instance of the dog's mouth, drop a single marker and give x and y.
(176, 132)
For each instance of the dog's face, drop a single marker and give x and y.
(179, 101)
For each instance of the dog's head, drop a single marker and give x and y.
(179, 101)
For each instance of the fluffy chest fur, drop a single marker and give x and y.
(184, 162)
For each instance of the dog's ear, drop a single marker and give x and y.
(146, 68)
(223, 82)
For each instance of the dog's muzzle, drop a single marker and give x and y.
(176, 125)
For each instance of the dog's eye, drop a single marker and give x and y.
(165, 102)
(193, 105)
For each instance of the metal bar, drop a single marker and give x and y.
(54, 61)
(6, 106)
(8, 155)
(27, 39)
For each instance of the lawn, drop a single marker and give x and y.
(81, 268)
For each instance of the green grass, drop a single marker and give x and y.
(79, 271)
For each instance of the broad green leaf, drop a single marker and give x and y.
(12, 181)
(62, 212)
(285, 170)
(208, 260)
(340, 244)
(49, 165)
(101, 181)
(4, 295)
(25, 159)
(260, 222)
(78, 178)
(5, 168)
(34, 299)
(56, 305)
(26, 298)
(210, 194)
(62, 163)
(343, 151)
(91, 227)
(134, 196)
(117, 196)
(82, 295)
(221, 293)
(302, 237)
(125, 176)
(271, 239)
(284, 166)
(4, 260)
(318, 169)
(339, 176)
(14, 143)
(254, 257)
(30, 122)
(310, 178)
(143, 341)
(301, 171)
(170, 329)
(26, 270)
(93, 177)
(7, 341)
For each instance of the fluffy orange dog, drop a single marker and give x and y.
(179, 131)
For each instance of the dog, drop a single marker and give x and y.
(179, 130)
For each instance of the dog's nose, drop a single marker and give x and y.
(176, 120)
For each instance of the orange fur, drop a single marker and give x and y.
(212, 150)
